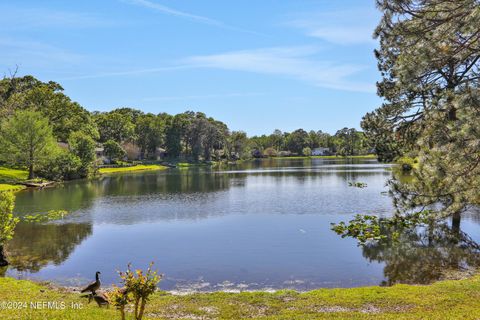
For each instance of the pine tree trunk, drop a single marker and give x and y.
(3, 259)
(456, 218)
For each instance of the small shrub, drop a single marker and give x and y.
(270, 152)
(138, 287)
(307, 151)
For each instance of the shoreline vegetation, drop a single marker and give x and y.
(135, 168)
(449, 299)
(16, 179)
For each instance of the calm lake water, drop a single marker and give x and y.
(257, 225)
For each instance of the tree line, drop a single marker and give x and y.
(43, 130)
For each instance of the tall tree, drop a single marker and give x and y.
(26, 139)
(429, 59)
(115, 126)
(65, 116)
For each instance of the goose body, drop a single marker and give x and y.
(94, 286)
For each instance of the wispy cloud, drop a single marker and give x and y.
(182, 14)
(347, 27)
(35, 53)
(27, 18)
(133, 72)
(300, 63)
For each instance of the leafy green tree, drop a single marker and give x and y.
(297, 140)
(7, 222)
(150, 133)
(64, 115)
(237, 143)
(114, 126)
(26, 139)
(113, 150)
(277, 139)
(83, 146)
(348, 141)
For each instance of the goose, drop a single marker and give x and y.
(101, 299)
(94, 286)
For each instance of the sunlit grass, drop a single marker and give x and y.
(11, 187)
(454, 299)
(12, 174)
(140, 167)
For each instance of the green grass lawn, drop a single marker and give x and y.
(11, 187)
(140, 167)
(7, 174)
(454, 299)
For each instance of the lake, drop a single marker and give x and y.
(261, 224)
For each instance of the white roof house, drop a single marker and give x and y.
(320, 151)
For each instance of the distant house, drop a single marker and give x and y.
(321, 151)
(100, 153)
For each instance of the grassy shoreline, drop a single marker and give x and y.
(367, 156)
(451, 299)
(140, 167)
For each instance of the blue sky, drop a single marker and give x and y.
(256, 65)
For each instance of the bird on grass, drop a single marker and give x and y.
(94, 286)
(100, 298)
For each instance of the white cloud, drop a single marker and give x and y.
(348, 27)
(182, 14)
(292, 62)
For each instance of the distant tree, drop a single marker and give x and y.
(297, 140)
(238, 143)
(277, 139)
(307, 151)
(313, 140)
(347, 141)
(113, 150)
(83, 146)
(26, 139)
(270, 152)
(150, 133)
(114, 126)
(7, 222)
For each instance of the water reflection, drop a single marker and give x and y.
(264, 223)
(38, 245)
(424, 255)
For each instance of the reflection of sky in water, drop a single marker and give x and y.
(263, 224)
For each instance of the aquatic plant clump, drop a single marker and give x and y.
(45, 217)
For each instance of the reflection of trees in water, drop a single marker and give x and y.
(185, 181)
(70, 196)
(36, 245)
(424, 255)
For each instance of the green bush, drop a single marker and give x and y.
(64, 166)
(307, 151)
